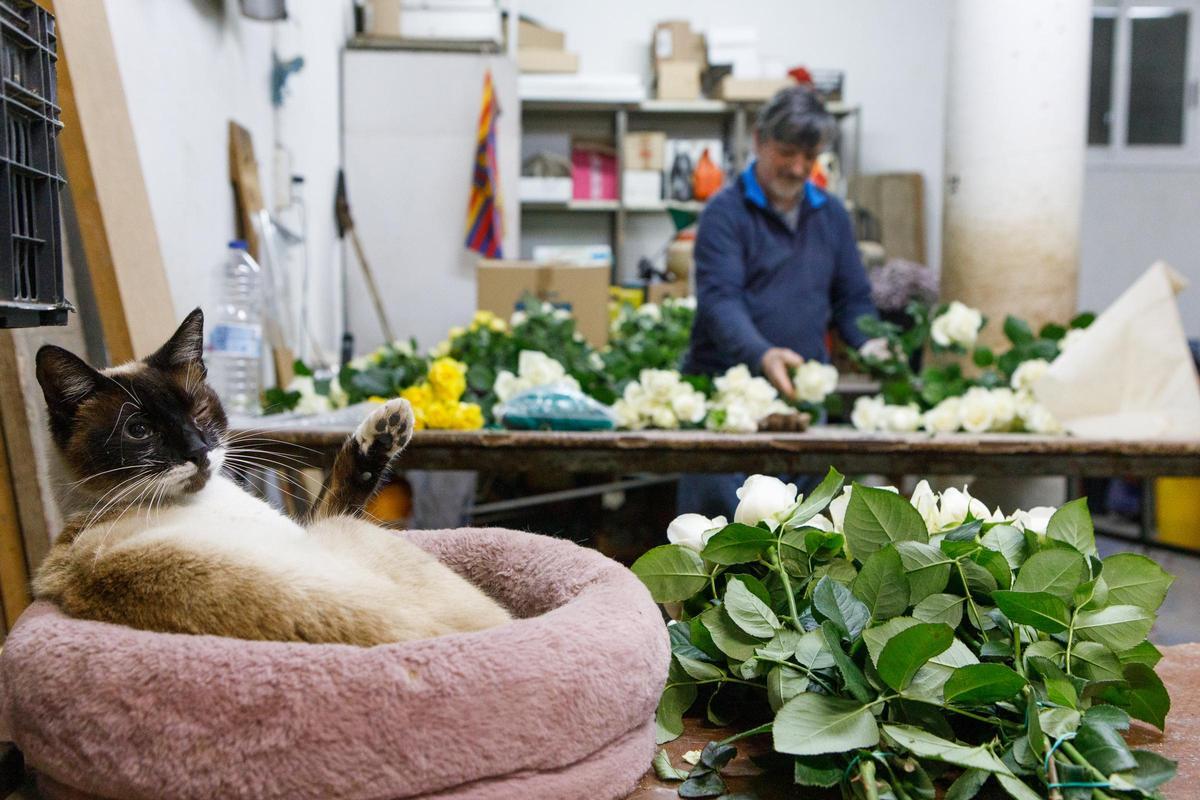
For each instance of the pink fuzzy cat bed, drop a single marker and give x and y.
(557, 704)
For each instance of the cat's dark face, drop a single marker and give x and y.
(140, 431)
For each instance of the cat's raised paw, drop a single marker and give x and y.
(386, 430)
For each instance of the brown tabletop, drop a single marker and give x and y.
(813, 451)
(1179, 669)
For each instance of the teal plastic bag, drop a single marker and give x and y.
(554, 408)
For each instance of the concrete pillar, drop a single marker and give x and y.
(1016, 114)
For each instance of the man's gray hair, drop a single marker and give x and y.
(796, 116)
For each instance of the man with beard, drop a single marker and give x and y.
(776, 263)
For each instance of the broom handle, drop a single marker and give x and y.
(372, 287)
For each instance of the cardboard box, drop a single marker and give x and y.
(539, 59)
(644, 150)
(678, 80)
(574, 255)
(532, 35)
(383, 18)
(502, 284)
(593, 171)
(751, 89)
(641, 187)
(675, 40)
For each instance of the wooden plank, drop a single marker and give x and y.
(814, 451)
(104, 175)
(14, 572)
(21, 424)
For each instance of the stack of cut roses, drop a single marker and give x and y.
(888, 644)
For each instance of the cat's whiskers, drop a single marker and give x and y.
(268, 457)
(132, 395)
(113, 494)
(254, 438)
(242, 470)
(117, 423)
(98, 474)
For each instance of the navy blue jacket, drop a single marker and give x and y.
(760, 285)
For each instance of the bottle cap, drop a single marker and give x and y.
(238, 244)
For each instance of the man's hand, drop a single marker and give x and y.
(777, 364)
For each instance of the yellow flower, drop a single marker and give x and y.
(420, 395)
(470, 417)
(439, 416)
(441, 349)
(376, 399)
(456, 332)
(448, 379)
(482, 319)
(498, 325)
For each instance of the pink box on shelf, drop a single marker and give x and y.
(593, 171)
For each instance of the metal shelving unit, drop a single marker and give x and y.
(736, 118)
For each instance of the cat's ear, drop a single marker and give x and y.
(65, 379)
(186, 345)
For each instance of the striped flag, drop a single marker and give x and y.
(485, 222)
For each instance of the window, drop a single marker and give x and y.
(1142, 105)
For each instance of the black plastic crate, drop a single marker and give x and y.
(31, 271)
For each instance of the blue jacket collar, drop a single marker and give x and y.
(752, 191)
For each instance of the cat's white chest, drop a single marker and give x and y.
(226, 508)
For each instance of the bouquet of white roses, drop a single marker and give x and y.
(742, 400)
(534, 369)
(660, 398)
(887, 643)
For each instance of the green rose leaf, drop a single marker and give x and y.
(1116, 627)
(676, 699)
(815, 724)
(1041, 610)
(875, 518)
(1059, 689)
(1135, 580)
(968, 785)
(1017, 330)
(664, 770)
(738, 544)
(752, 583)
(1152, 770)
(856, 682)
(1017, 788)
(811, 652)
(783, 646)
(671, 572)
(748, 612)
(816, 502)
(728, 637)
(1056, 571)
(944, 608)
(1143, 652)
(909, 650)
(1104, 748)
(834, 602)
(1096, 662)
(783, 683)
(923, 744)
(818, 771)
(1108, 715)
(1008, 541)
(1072, 524)
(1144, 698)
(681, 642)
(700, 670)
(881, 584)
(927, 567)
(980, 684)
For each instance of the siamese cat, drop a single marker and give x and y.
(168, 543)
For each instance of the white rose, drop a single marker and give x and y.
(650, 311)
(304, 385)
(1024, 401)
(539, 368)
(733, 379)
(902, 419)
(634, 394)
(820, 522)
(694, 530)
(627, 415)
(595, 361)
(688, 302)
(738, 418)
(505, 385)
(761, 497)
(926, 503)
(954, 506)
(1070, 340)
(659, 383)
(664, 418)
(814, 381)
(976, 410)
(689, 406)
(561, 315)
(360, 363)
(1028, 373)
(868, 413)
(405, 348)
(957, 325)
(570, 382)
(517, 318)
(1004, 408)
(942, 418)
(313, 404)
(1035, 519)
(1039, 419)
(337, 395)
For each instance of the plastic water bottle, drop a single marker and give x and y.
(234, 356)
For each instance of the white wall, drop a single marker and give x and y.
(1133, 217)
(894, 56)
(189, 66)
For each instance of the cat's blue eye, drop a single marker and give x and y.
(136, 429)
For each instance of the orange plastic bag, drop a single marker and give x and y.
(707, 177)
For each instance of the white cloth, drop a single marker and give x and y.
(1130, 375)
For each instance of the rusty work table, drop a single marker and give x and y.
(813, 451)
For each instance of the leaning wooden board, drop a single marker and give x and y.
(813, 451)
(1179, 669)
